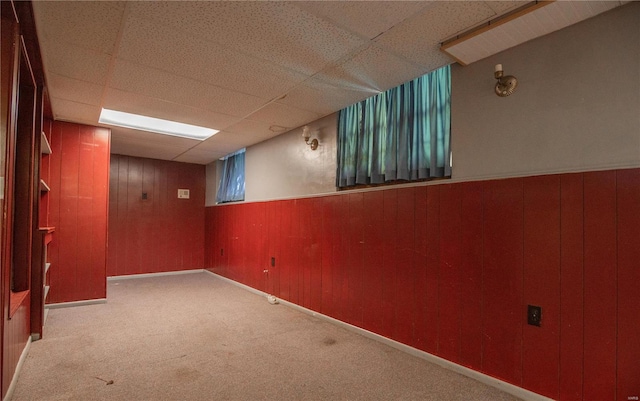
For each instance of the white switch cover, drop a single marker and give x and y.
(183, 194)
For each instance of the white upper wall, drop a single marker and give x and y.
(576, 108)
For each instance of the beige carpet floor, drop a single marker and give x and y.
(196, 337)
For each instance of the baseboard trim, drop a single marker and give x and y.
(463, 370)
(76, 303)
(16, 374)
(145, 275)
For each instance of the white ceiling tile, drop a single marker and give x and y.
(165, 86)
(502, 7)
(146, 144)
(276, 31)
(233, 139)
(431, 27)
(283, 115)
(69, 110)
(287, 35)
(93, 25)
(76, 62)
(138, 104)
(198, 156)
(373, 70)
(324, 97)
(249, 129)
(75, 90)
(192, 57)
(366, 18)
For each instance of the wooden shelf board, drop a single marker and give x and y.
(45, 148)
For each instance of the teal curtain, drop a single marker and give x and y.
(400, 134)
(231, 188)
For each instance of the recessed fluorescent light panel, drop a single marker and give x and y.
(157, 125)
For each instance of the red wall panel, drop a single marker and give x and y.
(471, 289)
(78, 210)
(628, 218)
(305, 257)
(355, 239)
(273, 231)
(329, 225)
(600, 285)
(405, 269)
(571, 287)
(389, 260)
(450, 269)
(502, 280)
(160, 233)
(449, 272)
(372, 278)
(541, 351)
(287, 258)
(421, 322)
(430, 334)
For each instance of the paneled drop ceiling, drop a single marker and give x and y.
(252, 70)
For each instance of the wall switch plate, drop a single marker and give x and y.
(534, 315)
(183, 194)
(144, 196)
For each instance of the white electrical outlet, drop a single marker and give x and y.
(183, 194)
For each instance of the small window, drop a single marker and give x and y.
(231, 188)
(399, 135)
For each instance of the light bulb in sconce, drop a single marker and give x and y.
(306, 135)
(506, 85)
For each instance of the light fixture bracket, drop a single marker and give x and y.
(506, 85)
(306, 135)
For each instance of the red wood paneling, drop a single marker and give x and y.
(571, 287)
(421, 323)
(502, 280)
(372, 278)
(16, 332)
(256, 260)
(112, 252)
(315, 236)
(479, 252)
(540, 345)
(449, 273)
(600, 285)
(160, 233)
(355, 238)
(287, 255)
(341, 255)
(405, 270)
(628, 324)
(305, 256)
(430, 335)
(273, 232)
(389, 261)
(329, 221)
(471, 287)
(63, 274)
(78, 209)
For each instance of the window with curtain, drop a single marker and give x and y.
(231, 188)
(400, 134)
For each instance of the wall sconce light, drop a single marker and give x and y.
(306, 135)
(506, 85)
